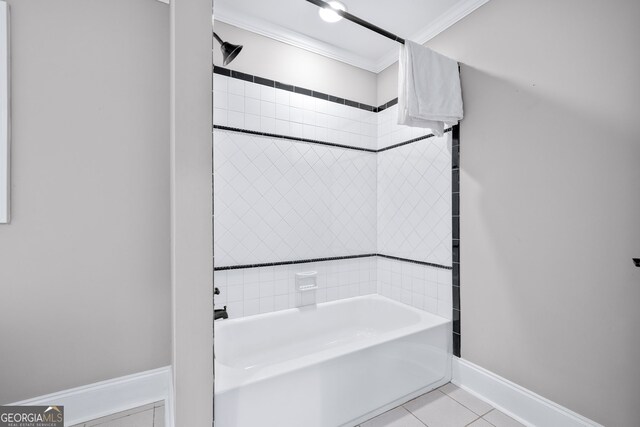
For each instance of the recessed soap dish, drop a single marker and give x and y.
(306, 281)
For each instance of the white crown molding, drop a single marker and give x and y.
(446, 20)
(281, 34)
(108, 397)
(276, 32)
(518, 402)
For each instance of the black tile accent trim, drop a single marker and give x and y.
(410, 141)
(242, 76)
(320, 95)
(304, 91)
(413, 261)
(456, 297)
(284, 86)
(351, 103)
(331, 144)
(456, 321)
(455, 204)
(455, 180)
(303, 261)
(222, 71)
(456, 251)
(383, 107)
(455, 156)
(456, 344)
(455, 230)
(298, 261)
(456, 274)
(455, 244)
(336, 99)
(264, 82)
(293, 138)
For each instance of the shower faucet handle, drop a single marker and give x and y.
(216, 291)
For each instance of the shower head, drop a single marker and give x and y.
(229, 51)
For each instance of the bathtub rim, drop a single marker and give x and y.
(235, 378)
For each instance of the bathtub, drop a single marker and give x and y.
(332, 364)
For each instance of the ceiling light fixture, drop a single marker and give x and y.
(329, 14)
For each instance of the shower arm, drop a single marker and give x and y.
(356, 20)
(218, 38)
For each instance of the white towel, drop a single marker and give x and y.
(429, 94)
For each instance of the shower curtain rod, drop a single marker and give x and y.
(355, 19)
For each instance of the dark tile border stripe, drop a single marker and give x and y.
(293, 138)
(383, 107)
(296, 89)
(330, 144)
(410, 141)
(315, 94)
(455, 228)
(303, 261)
(413, 261)
(298, 261)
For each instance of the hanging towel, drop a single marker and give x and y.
(429, 94)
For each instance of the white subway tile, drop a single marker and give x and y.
(267, 304)
(236, 119)
(268, 109)
(236, 87)
(252, 290)
(252, 90)
(268, 124)
(220, 83)
(251, 307)
(296, 115)
(282, 112)
(282, 97)
(268, 94)
(220, 116)
(252, 106)
(252, 122)
(236, 103)
(235, 293)
(220, 100)
(282, 127)
(297, 100)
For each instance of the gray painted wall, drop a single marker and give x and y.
(191, 210)
(84, 264)
(265, 57)
(550, 178)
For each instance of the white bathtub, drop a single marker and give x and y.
(334, 364)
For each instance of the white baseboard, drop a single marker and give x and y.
(111, 396)
(519, 403)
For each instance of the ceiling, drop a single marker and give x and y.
(296, 22)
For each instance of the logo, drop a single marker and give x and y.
(31, 416)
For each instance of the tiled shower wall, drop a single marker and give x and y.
(414, 215)
(414, 197)
(304, 177)
(249, 291)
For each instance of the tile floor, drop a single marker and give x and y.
(151, 415)
(447, 406)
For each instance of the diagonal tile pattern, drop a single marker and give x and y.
(414, 201)
(279, 200)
